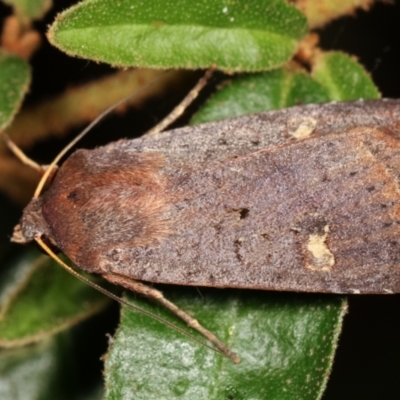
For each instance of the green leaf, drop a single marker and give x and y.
(335, 76)
(14, 82)
(344, 78)
(43, 300)
(262, 92)
(30, 9)
(237, 36)
(286, 343)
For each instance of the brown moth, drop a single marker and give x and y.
(301, 199)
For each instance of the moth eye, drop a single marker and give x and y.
(73, 195)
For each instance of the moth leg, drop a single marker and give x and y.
(20, 154)
(155, 294)
(182, 106)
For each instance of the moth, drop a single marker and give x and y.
(302, 199)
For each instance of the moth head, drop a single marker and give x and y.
(32, 224)
(99, 200)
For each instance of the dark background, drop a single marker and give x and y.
(367, 364)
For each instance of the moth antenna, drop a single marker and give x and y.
(19, 153)
(183, 105)
(120, 300)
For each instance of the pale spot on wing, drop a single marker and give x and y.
(320, 258)
(302, 127)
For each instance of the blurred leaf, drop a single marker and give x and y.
(82, 104)
(286, 343)
(262, 92)
(14, 82)
(30, 9)
(242, 35)
(343, 77)
(13, 276)
(35, 372)
(44, 301)
(320, 12)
